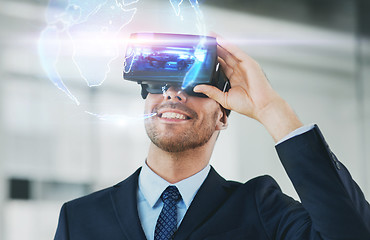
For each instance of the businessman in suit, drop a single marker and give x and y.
(183, 133)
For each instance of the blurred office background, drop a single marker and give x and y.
(315, 53)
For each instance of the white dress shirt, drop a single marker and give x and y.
(150, 189)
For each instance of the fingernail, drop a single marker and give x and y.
(196, 89)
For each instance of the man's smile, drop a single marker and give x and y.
(173, 115)
(174, 112)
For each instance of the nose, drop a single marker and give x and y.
(175, 94)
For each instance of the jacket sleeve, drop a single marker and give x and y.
(62, 229)
(334, 202)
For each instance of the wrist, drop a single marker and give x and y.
(279, 119)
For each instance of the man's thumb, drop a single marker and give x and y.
(212, 92)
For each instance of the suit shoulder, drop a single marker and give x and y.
(262, 182)
(259, 185)
(90, 198)
(265, 186)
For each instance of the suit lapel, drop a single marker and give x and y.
(124, 200)
(209, 198)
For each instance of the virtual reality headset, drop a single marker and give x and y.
(158, 61)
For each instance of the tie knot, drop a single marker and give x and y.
(171, 194)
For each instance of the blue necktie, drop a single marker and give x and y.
(167, 220)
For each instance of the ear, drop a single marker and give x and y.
(222, 120)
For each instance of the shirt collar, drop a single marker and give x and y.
(151, 185)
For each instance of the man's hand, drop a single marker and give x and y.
(251, 94)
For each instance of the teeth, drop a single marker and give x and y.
(172, 115)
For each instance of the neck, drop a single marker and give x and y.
(174, 167)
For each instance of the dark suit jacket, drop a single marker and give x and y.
(333, 206)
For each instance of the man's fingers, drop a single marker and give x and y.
(227, 69)
(231, 74)
(227, 57)
(212, 92)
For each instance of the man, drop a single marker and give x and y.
(183, 132)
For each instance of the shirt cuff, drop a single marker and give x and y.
(297, 132)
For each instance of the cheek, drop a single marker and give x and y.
(210, 114)
(211, 107)
(151, 101)
(147, 107)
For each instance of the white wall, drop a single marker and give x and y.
(45, 137)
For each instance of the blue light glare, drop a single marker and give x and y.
(88, 32)
(200, 53)
(193, 73)
(120, 119)
(49, 48)
(176, 6)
